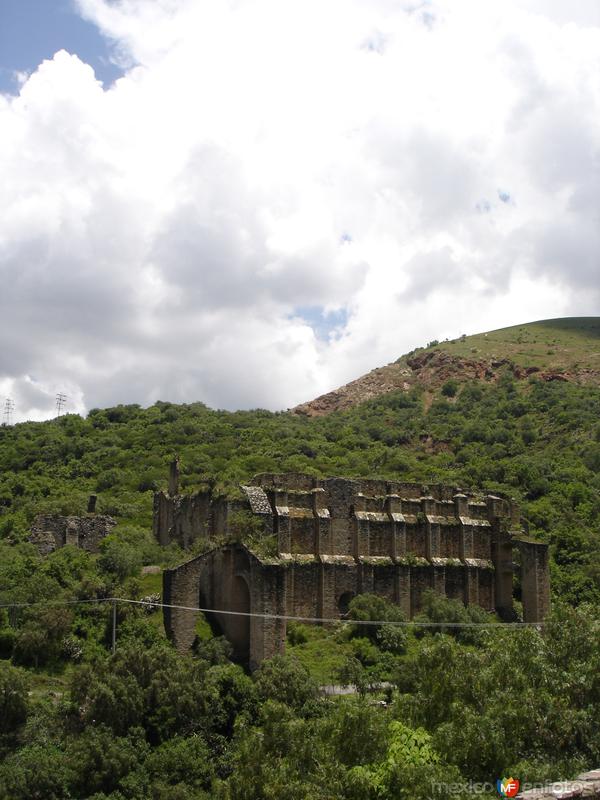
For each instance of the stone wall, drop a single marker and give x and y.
(337, 538)
(338, 516)
(231, 578)
(535, 587)
(185, 518)
(51, 531)
(228, 579)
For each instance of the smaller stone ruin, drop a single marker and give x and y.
(51, 531)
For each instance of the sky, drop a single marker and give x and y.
(251, 202)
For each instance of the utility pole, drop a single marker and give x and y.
(114, 626)
(61, 400)
(9, 407)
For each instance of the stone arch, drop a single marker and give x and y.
(71, 534)
(212, 619)
(344, 603)
(238, 627)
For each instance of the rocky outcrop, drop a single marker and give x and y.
(379, 381)
(430, 369)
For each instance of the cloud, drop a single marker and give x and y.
(277, 197)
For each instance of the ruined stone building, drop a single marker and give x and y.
(51, 531)
(314, 544)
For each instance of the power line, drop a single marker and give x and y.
(61, 400)
(287, 617)
(346, 621)
(114, 601)
(9, 407)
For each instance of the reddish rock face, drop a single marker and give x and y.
(430, 369)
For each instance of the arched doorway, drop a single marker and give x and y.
(238, 628)
(344, 604)
(212, 619)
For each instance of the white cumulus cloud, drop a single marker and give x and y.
(407, 171)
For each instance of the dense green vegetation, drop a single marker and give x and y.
(536, 441)
(77, 721)
(147, 723)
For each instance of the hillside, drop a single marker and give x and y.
(145, 722)
(527, 437)
(554, 350)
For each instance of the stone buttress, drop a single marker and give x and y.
(331, 539)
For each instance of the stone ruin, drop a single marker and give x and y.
(51, 531)
(330, 539)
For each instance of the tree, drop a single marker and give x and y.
(286, 680)
(13, 698)
(36, 772)
(372, 607)
(41, 638)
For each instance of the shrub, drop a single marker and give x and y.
(286, 680)
(41, 638)
(13, 698)
(450, 388)
(367, 607)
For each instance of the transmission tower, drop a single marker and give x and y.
(61, 400)
(9, 407)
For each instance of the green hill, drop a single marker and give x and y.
(554, 349)
(78, 721)
(525, 434)
(571, 344)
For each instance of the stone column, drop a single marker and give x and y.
(360, 528)
(403, 589)
(432, 542)
(282, 521)
(321, 523)
(494, 507)
(367, 579)
(393, 508)
(535, 580)
(465, 543)
(472, 586)
(71, 533)
(267, 635)
(439, 580)
(503, 567)
(163, 518)
(174, 477)
(181, 587)
(461, 504)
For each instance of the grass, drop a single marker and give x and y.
(49, 680)
(552, 344)
(322, 653)
(203, 630)
(151, 583)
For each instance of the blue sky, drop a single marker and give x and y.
(33, 30)
(321, 321)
